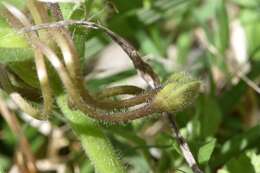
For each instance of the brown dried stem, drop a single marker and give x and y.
(41, 72)
(71, 59)
(145, 70)
(13, 123)
(119, 90)
(71, 88)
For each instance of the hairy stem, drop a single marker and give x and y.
(145, 70)
(123, 103)
(119, 117)
(41, 72)
(65, 42)
(119, 90)
(128, 49)
(80, 102)
(94, 142)
(71, 60)
(40, 15)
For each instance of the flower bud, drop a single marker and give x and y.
(180, 91)
(179, 77)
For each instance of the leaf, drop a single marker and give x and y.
(72, 11)
(93, 46)
(247, 3)
(67, 9)
(223, 26)
(87, 167)
(94, 84)
(26, 71)
(236, 145)
(206, 150)
(204, 12)
(138, 164)
(255, 159)
(17, 3)
(147, 45)
(4, 163)
(163, 9)
(10, 55)
(124, 6)
(210, 117)
(249, 19)
(10, 39)
(183, 47)
(241, 164)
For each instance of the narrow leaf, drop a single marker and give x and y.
(206, 150)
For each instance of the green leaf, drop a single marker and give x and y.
(72, 11)
(223, 26)
(236, 145)
(67, 9)
(206, 150)
(138, 164)
(17, 3)
(10, 39)
(255, 159)
(26, 71)
(247, 3)
(147, 44)
(241, 164)
(87, 167)
(204, 12)
(93, 46)
(210, 116)
(10, 55)
(123, 6)
(183, 47)
(4, 163)
(249, 19)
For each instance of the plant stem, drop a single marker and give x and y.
(118, 90)
(124, 103)
(15, 126)
(95, 143)
(183, 144)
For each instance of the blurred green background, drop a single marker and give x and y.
(215, 40)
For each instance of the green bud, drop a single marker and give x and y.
(180, 91)
(180, 77)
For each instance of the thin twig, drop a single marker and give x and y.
(183, 144)
(249, 82)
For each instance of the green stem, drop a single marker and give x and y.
(124, 103)
(119, 90)
(95, 143)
